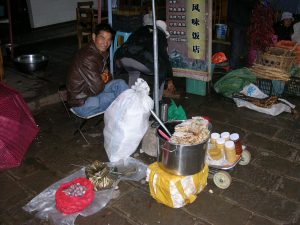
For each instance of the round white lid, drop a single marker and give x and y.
(234, 136)
(229, 144)
(215, 135)
(225, 135)
(220, 141)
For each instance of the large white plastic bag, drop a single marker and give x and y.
(126, 121)
(253, 91)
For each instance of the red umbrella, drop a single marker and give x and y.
(17, 127)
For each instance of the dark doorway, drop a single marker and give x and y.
(19, 17)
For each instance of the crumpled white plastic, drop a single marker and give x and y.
(141, 86)
(253, 91)
(43, 205)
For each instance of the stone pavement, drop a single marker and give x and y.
(264, 192)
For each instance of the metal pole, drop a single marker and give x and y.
(99, 11)
(111, 54)
(156, 81)
(10, 29)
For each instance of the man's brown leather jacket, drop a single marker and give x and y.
(84, 75)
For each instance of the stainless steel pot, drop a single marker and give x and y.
(31, 63)
(181, 160)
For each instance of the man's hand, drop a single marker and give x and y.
(105, 76)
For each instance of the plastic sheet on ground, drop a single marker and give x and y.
(253, 91)
(43, 205)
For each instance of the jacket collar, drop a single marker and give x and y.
(94, 47)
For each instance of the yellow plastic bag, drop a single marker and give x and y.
(175, 191)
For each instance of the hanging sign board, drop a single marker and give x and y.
(189, 45)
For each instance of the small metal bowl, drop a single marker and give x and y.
(31, 63)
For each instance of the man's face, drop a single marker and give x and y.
(287, 22)
(102, 40)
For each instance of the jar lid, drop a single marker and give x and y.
(225, 135)
(215, 135)
(229, 144)
(220, 141)
(234, 136)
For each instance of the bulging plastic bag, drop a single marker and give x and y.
(175, 191)
(176, 113)
(126, 121)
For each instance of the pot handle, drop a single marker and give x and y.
(162, 147)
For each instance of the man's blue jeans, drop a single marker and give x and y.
(100, 102)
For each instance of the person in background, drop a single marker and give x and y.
(136, 57)
(296, 35)
(89, 86)
(284, 28)
(239, 18)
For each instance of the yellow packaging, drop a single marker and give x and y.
(175, 191)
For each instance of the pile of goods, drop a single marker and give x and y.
(191, 132)
(267, 102)
(292, 46)
(100, 175)
(74, 196)
(77, 194)
(75, 190)
(274, 64)
(225, 148)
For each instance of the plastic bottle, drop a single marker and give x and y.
(220, 144)
(225, 135)
(216, 152)
(230, 151)
(238, 146)
(214, 137)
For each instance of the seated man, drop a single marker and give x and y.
(136, 57)
(89, 88)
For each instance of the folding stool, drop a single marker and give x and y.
(62, 92)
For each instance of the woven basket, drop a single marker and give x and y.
(269, 73)
(277, 58)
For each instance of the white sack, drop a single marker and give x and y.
(126, 121)
(253, 91)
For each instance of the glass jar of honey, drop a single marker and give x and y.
(214, 137)
(238, 146)
(220, 144)
(230, 151)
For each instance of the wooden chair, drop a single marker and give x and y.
(85, 25)
(88, 4)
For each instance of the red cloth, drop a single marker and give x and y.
(218, 57)
(17, 127)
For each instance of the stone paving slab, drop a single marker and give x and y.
(276, 147)
(215, 209)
